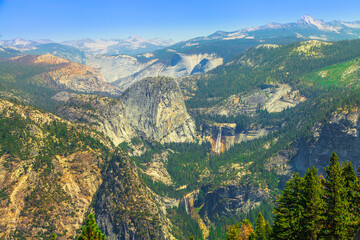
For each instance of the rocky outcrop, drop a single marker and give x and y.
(104, 114)
(231, 200)
(156, 109)
(60, 73)
(124, 70)
(125, 209)
(156, 169)
(272, 97)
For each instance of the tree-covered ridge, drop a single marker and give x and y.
(40, 154)
(266, 64)
(24, 129)
(20, 81)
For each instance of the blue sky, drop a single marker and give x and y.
(178, 20)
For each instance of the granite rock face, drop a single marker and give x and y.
(156, 108)
(103, 113)
(231, 200)
(125, 209)
(152, 108)
(339, 134)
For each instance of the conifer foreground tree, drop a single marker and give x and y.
(337, 205)
(91, 230)
(310, 208)
(313, 204)
(260, 231)
(289, 211)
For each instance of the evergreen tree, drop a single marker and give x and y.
(337, 224)
(53, 236)
(91, 231)
(260, 227)
(289, 211)
(252, 236)
(352, 192)
(314, 205)
(268, 231)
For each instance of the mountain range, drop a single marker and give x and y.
(130, 45)
(125, 61)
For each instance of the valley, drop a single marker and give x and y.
(178, 142)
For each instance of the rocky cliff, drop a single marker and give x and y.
(105, 114)
(125, 208)
(272, 97)
(156, 108)
(340, 134)
(230, 201)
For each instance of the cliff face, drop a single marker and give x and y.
(125, 208)
(156, 108)
(339, 134)
(103, 113)
(49, 173)
(231, 200)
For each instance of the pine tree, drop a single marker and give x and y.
(352, 192)
(337, 212)
(260, 227)
(53, 236)
(314, 205)
(268, 231)
(91, 231)
(289, 211)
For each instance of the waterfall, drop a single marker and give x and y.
(218, 142)
(186, 205)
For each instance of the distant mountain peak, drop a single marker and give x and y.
(135, 38)
(310, 20)
(318, 23)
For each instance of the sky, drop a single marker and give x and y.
(172, 19)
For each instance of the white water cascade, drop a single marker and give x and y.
(186, 205)
(218, 142)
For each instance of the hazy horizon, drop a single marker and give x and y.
(73, 20)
